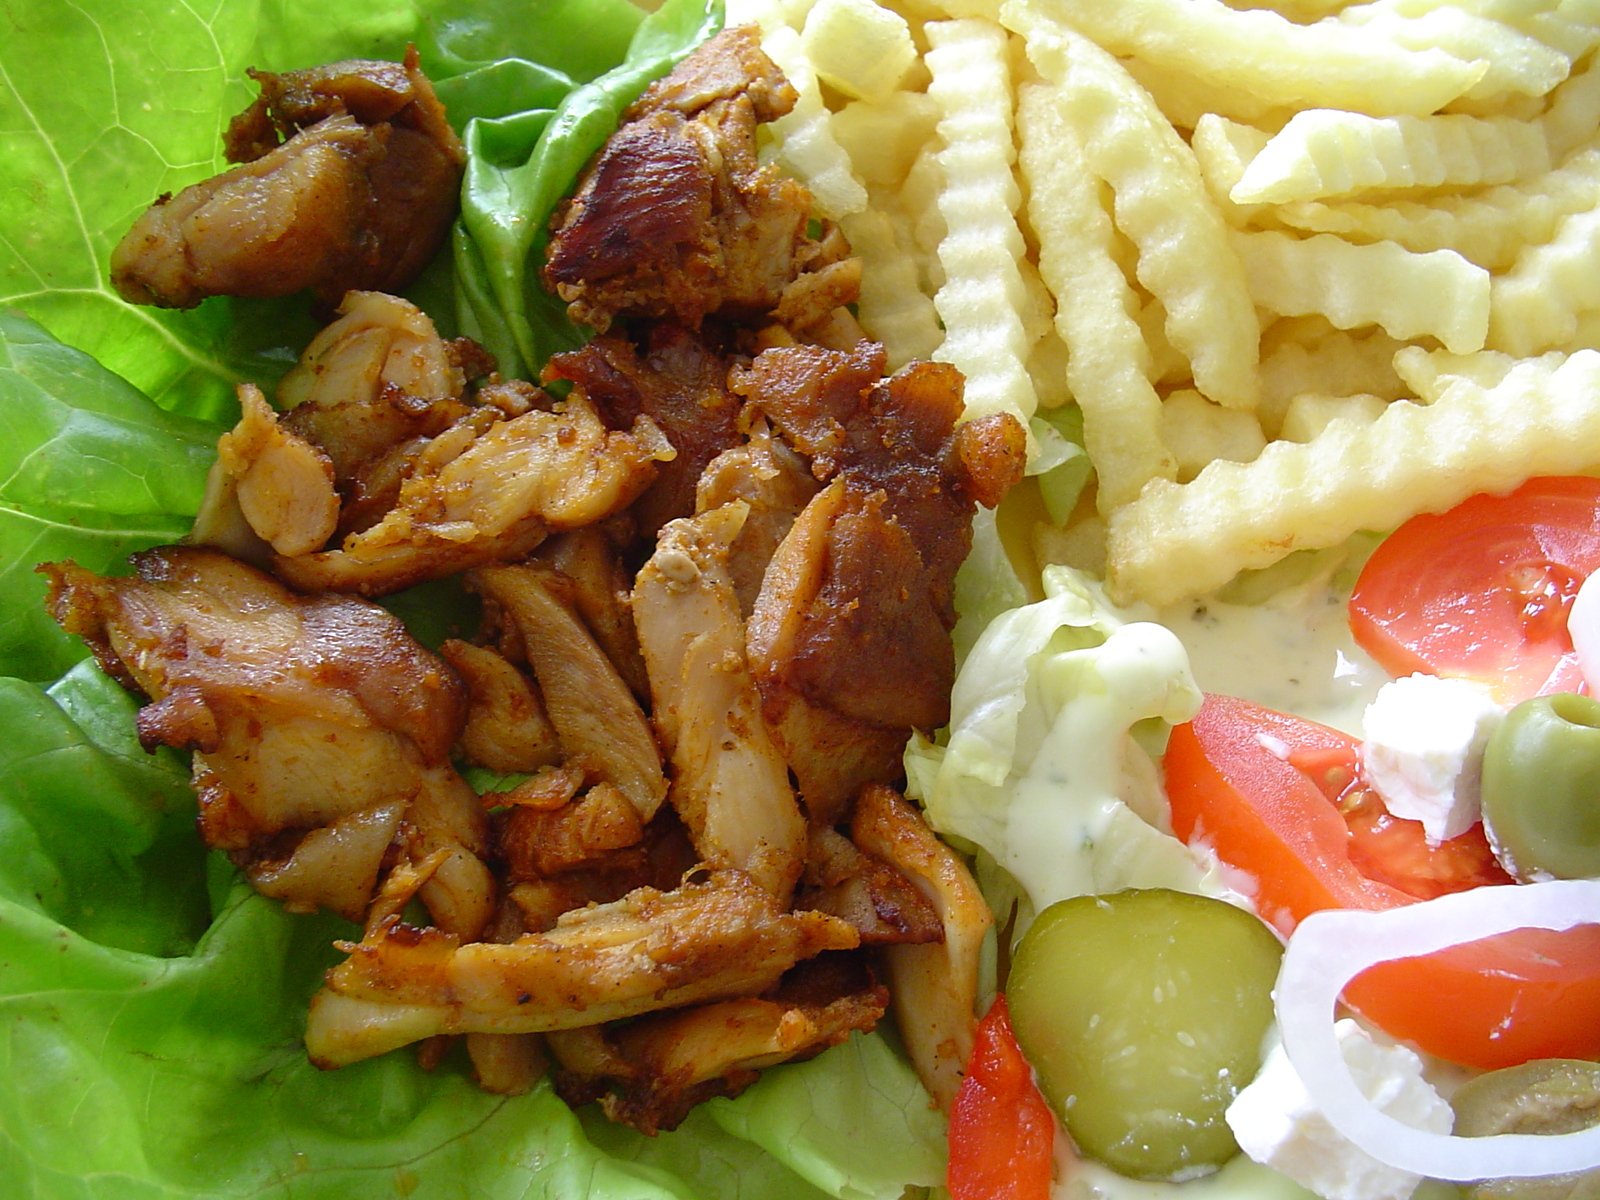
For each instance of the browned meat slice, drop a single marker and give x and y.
(587, 832)
(360, 194)
(774, 484)
(488, 489)
(715, 939)
(599, 722)
(677, 381)
(321, 730)
(507, 728)
(597, 584)
(650, 1072)
(885, 907)
(730, 783)
(934, 985)
(850, 636)
(676, 217)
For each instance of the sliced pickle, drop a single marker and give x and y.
(1143, 1014)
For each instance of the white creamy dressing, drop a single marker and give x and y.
(1293, 653)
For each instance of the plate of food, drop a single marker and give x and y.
(800, 598)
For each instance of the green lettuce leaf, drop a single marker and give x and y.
(91, 470)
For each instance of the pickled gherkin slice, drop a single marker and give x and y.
(1143, 1013)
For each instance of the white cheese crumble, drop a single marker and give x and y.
(1278, 1125)
(1422, 750)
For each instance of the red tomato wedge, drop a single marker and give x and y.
(1483, 590)
(1002, 1132)
(1235, 786)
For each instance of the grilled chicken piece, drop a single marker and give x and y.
(321, 730)
(774, 484)
(488, 489)
(850, 636)
(676, 217)
(730, 784)
(600, 724)
(714, 939)
(598, 585)
(650, 1072)
(507, 728)
(934, 985)
(677, 381)
(884, 906)
(360, 194)
(587, 832)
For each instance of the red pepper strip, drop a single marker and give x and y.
(1002, 1133)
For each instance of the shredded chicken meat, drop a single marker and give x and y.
(713, 584)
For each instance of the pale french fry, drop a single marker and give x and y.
(1181, 540)
(1489, 227)
(1160, 202)
(983, 293)
(1107, 360)
(883, 139)
(893, 309)
(919, 196)
(1517, 63)
(1574, 112)
(1224, 148)
(806, 145)
(1408, 295)
(1184, 99)
(1297, 361)
(1047, 367)
(1199, 432)
(1535, 306)
(1324, 152)
(861, 50)
(1328, 64)
(1308, 414)
(1429, 372)
(1166, 364)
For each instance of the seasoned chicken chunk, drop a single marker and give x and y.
(714, 939)
(677, 217)
(849, 638)
(730, 783)
(349, 178)
(321, 730)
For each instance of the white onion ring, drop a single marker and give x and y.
(1332, 947)
(1583, 626)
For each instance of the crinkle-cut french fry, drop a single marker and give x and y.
(1328, 64)
(1224, 148)
(1489, 227)
(1160, 202)
(1309, 413)
(983, 294)
(1429, 372)
(1568, 28)
(1107, 360)
(1574, 112)
(1185, 99)
(1535, 305)
(1047, 367)
(805, 141)
(1081, 545)
(884, 139)
(858, 48)
(1325, 152)
(1408, 295)
(893, 309)
(1327, 361)
(1517, 63)
(1198, 432)
(919, 196)
(768, 15)
(1181, 540)
(1166, 364)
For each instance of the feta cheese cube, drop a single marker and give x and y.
(1422, 750)
(1277, 1124)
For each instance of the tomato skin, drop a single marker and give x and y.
(1002, 1132)
(1493, 1003)
(1482, 591)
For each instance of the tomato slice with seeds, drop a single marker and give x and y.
(1280, 798)
(1483, 591)
(1002, 1132)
